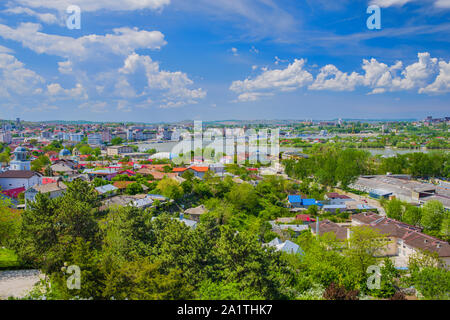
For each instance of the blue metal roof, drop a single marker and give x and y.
(311, 202)
(295, 199)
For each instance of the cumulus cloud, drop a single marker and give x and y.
(427, 75)
(174, 86)
(442, 82)
(16, 79)
(291, 78)
(55, 89)
(330, 78)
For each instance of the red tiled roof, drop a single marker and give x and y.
(128, 172)
(13, 193)
(304, 217)
(48, 180)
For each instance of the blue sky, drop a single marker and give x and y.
(171, 60)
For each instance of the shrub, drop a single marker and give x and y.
(336, 292)
(398, 295)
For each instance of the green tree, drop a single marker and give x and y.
(412, 215)
(394, 209)
(9, 222)
(433, 214)
(134, 188)
(170, 188)
(116, 141)
(364, 245)
(145, 280)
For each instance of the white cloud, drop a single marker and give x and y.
(5, 50)
(65, 67)
(48, 18)
(90, 5)
(234, 51)
(16, 80)
(442, 4)
(427, 75)
(174, 86)
(122, 42)
(390, 3)
(288, 79)
(330, 78)
(253, 96)
(55, 89)
(417, 74)
(442, 82)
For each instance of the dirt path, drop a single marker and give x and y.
(17, 283)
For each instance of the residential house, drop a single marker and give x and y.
(107, 189)
(326, 226)
(199, 172)
(405, 239)
(14, 179)
(53, 190)
(286, 246)
(196, 212)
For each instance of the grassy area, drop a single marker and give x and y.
(8, 259)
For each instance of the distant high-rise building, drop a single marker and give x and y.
(76, 137)
(94, 139)
(5, 137)
(106, 136)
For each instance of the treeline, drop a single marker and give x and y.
(417, 164)
(432, 217)
(330, 166)
(334, 166)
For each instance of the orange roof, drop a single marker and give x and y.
(122, 184)
(179, 169)
(199, 169)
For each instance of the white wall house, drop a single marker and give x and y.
(14, 179)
